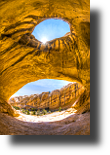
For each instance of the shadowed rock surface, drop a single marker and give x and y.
(24, 59)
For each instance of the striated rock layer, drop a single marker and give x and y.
(63, 98)
(24, 59)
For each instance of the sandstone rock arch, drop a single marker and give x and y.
(24, 59)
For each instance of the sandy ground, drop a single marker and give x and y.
(67, 122)
(55, 116)
(57, 123)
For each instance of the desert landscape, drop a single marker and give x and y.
(25, 59)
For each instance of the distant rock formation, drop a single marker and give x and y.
(57, 98)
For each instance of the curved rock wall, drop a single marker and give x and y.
(24, 59)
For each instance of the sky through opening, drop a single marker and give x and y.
(47, 30)
(50, 29)
(40, 86)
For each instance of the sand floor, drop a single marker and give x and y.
(55, 116)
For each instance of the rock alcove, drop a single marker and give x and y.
(24, 59)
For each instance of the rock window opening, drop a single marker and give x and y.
(45, 96)
(50, 29)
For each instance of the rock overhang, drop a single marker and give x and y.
(22, 63)
(24, 59)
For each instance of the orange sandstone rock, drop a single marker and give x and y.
(24, 60)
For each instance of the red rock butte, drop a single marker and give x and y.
(24, 59)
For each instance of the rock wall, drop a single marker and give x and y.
(58, 98)
(24, 59)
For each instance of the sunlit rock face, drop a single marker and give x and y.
(63, 98)
(24, 59)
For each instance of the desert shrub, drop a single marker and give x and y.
(23, 111)
(27, 112)
(38, 112)
(49, 111)
(33, 113)
(59, 109)
(15, 107)
(33, 109)
(44, 111)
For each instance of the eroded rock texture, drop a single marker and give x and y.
(24, 59)
(63, 98)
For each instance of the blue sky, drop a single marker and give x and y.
(40, 86)
(49, 29)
